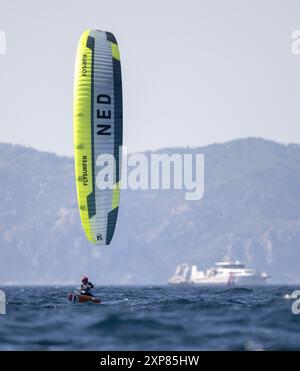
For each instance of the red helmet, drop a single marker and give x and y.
(84, 279)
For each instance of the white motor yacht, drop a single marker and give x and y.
(222, 273)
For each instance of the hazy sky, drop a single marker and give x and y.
(194, 72)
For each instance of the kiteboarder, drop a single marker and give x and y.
(86, 286)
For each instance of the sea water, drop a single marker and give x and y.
(151, 318)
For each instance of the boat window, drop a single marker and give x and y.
(234, 266)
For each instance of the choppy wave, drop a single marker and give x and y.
(162, 318)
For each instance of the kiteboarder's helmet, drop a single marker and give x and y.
(84, 279)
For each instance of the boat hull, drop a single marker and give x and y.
(232, 282)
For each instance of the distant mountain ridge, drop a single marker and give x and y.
(250, 211)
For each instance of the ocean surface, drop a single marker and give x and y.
(151, 318)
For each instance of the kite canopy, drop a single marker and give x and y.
(98, 121)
